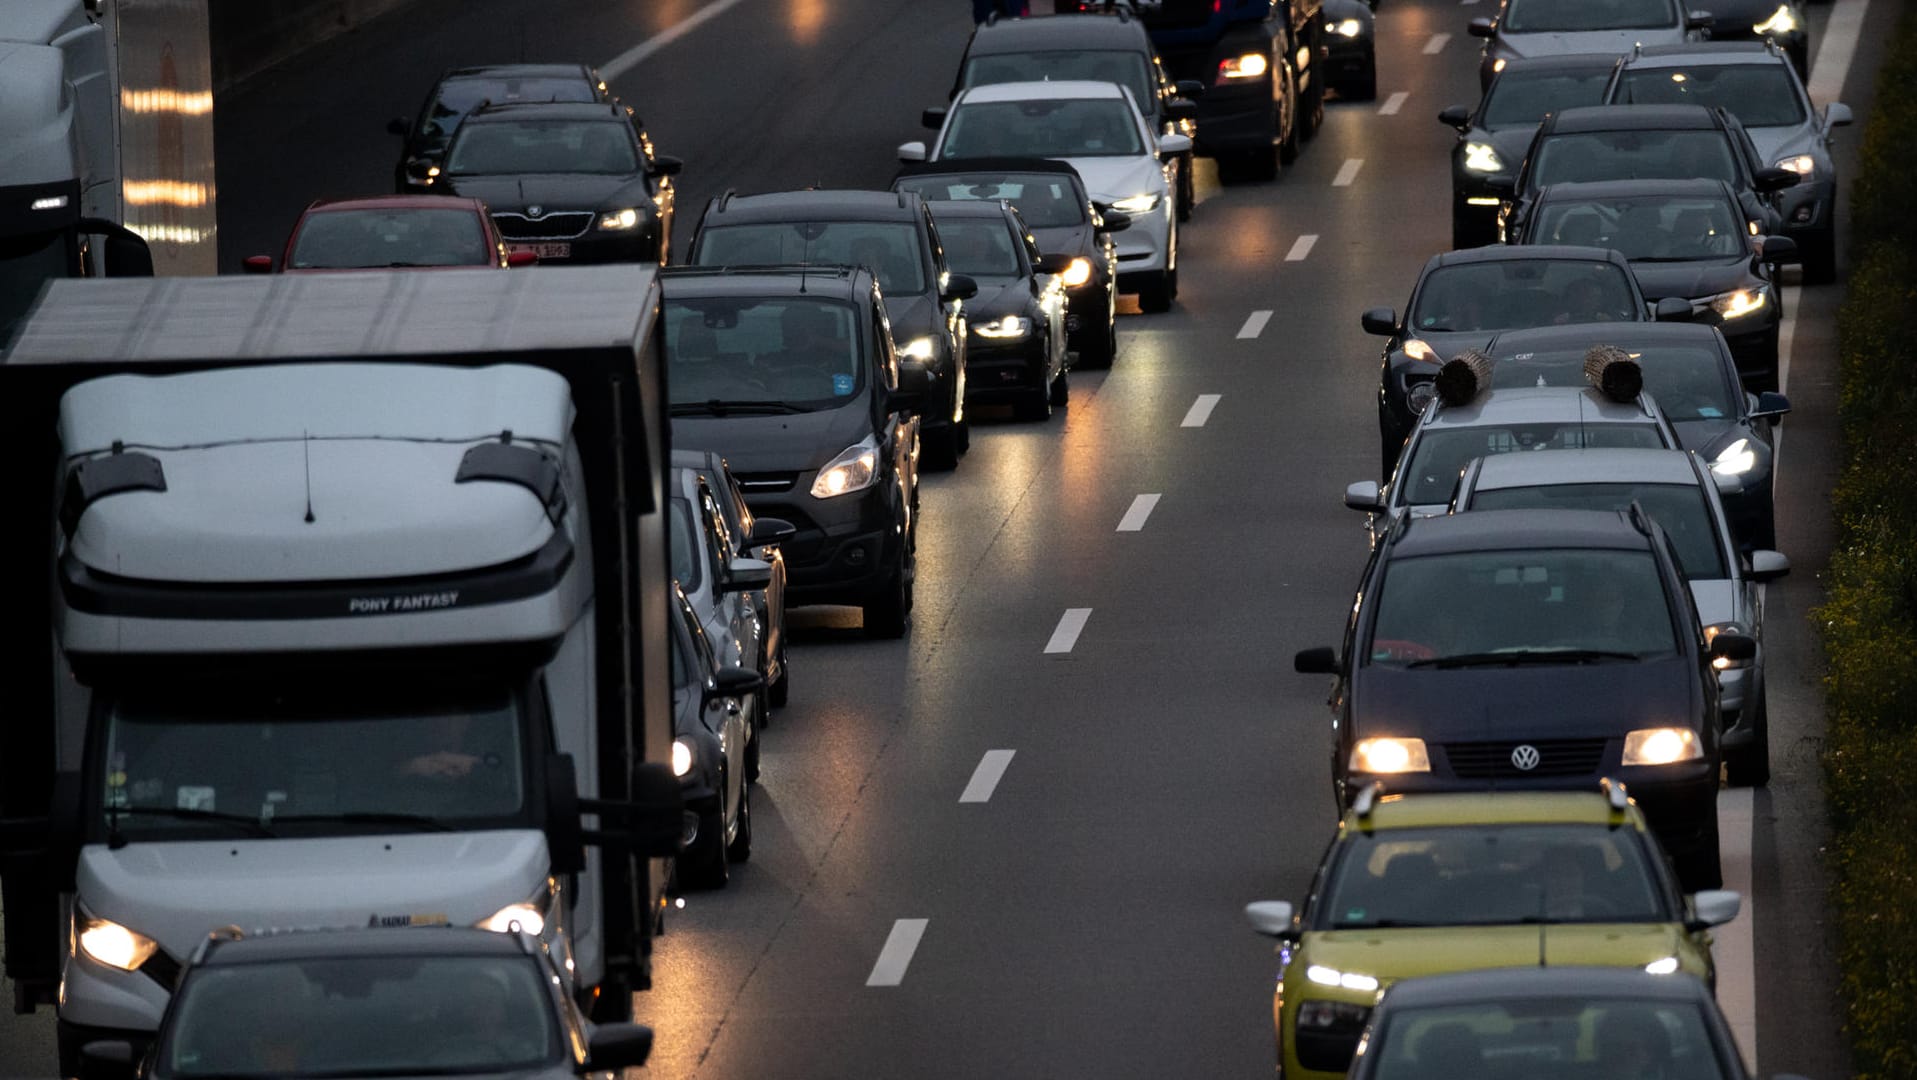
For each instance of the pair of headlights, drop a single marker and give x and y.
(1386, 755)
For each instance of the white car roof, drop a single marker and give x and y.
(1598, 466)
(1046, 90)
(1541, 405)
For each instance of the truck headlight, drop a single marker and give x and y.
(618, 220)
(1736, 305)
(1078, 273)
(1735, 459)
(1137, 204)
(855, 469)
(1247, 66)
(1482, 157)
(919, 348)
(1390, 755)
(1011, 326)
(681, 757)
(1661, 746)
(107, 942)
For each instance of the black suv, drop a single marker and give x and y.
(889, 233)
(460, 91)
(1534, 649)
(791, 373)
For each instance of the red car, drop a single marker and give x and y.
(423, 231)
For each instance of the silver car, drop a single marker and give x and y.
(753, 538)
(1679, 492)
(718, 585)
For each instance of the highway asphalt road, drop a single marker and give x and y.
(1018, 842)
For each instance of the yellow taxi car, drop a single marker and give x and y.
(1431, 883)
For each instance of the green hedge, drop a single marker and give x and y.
(1869, 618)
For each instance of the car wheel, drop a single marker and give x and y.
(1099, 342)
(1156, 296)
(752, 745)
(1061, 392)
(1702, 869)
(1035, 406)
(780, 692)
(1366, 88)
(886, 613)
(741, 847)
(1820, 259)
(703, 865)
(964, 437)
(940, 447)
(1751, 766)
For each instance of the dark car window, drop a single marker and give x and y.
(341, 239)
(684, 543)
(457, 97)
(889, 249)
(1559, 1037)
(979, 247)
(1431, 607)
(793, 350)
(1071, 127)
(1127, 69)
(1760, 95)
(1490, 875)
(1583, 157)
(1521, 98)
(1653, 228)
(1574, 16)
(1680, 508)
(601, 147)
(1688, 381)
(1045, 201)
(1438, 455)
(1513, 294)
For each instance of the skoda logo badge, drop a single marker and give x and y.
(535, 210)
(1525, 757)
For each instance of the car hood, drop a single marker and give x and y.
(1716, 600)
(998, 296)
(1776, 143)
(1692, 280)
(1389, 955)
(1109, 179)
(1510, 141)
(1064, 239)
(1587, 41)
(1542, 701)
(799, 442)
(552, 191)
(1706, 437)
(912, 316)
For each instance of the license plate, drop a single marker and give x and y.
(1010, 375)
(543, 251)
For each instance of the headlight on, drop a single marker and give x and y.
(1736, 305)
(1347, 980)
(1349, 28)
(1780, 22)
(855, 469)
(681, 757)
(1735, 460)
(1418, 350)
(525, 918)
(1724, 663)
(107, 942)
(1481, 157)
(1011, 326)
(618, 220)
(1247, 66)
(1801, 164)
(919, 348)
(1661, 746)
(1137, 204)
(1078, 273)
(1498, 64)
(1666, 966)
(1390, 755)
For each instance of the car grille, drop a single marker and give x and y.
(562, 226)
(1556, 757)
(765, 483)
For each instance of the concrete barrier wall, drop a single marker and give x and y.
(251, 35)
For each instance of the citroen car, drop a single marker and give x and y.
(1016, 352)
(714, 751)
(462, 90)
(386, 231)
(1516, 650)
(1416, 885)
(1524, 29)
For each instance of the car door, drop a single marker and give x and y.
(769, 601)
(725, 715)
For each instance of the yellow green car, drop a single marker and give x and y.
(1431, 883)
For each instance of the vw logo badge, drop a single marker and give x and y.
(1525, 757)
(535, 210)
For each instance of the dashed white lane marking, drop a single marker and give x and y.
(1436, 44)
(1832, 65)
(1070, 625)
(1733, 942)
(1254, 325)
(985, 778)
(1301, 248)
(1141, 509)
(1393, 103)
(632, 57)
(1200, 410)
(1348, 172)
(896, 956)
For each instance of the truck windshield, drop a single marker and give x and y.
(744, 351)
(26, 263)
(300, 760)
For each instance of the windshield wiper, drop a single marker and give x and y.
(717, 407)
(247, 822)
(1515, 657)
(371, 817)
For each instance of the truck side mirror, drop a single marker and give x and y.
(565, 835)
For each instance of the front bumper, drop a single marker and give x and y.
(845, 548)
(1320, 1053)
(1145, 248)
(1754, 347)
(632, 245)
(1004, 372)
(1350, 60)
(1807, 212)
(96, 998)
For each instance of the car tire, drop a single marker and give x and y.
(1186, 197)
(1366, 88)
(1751, 766)
(703, 865)
(741, 847)
(1035, 406)
(1156, 296)
(888, 612)
(939, 448)
(613, 1003)
(780, 692)
(1100, 344)
(1061, 391)
(1820, 260)
(758, 733)
(1702, 870)
(964, 437)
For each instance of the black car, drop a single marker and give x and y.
(1686, 239)
(1102, 48)
(356, 1004)
(889, 233)
(708, 722)
(1015, 352)
(1351, 49)
(1492, 137)
(1464, 298)
(460, 91)
(569, 183)
(1688, 368)
(1051, 198)
(792, 374)
(1534, 649)
(1528, 29)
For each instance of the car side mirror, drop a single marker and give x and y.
(1054, 264)
(1503, 185)
(108, 1059)
(1671, 309)
(612, 1047)
(1837, 114)
(128, 256)
(565, 833)
(1773, 179)
(1174, 144)
(933, 118)
(1771, 406)
(1698, 20)
(770, 530)
(735, 682)
(1482, 27)
(1381, 321)
(1363, 496)
(744, 575)
(1189, 88)
(258, 264)
(398, 126)
(912, 151)
(1111, 221)
(521, 258)
(1271, 918)
(666, 165)
(1733, 647)
(1322, 660)
(655, 816)
(1778, 249)
(1456, 116)
(1714, 907)
(1181, 109)
(1768, 565)
(959, 287)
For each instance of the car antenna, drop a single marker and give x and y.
(306, 453)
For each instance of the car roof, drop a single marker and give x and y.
(1699, 53)
(1631, 118)
(363, 941)
(820, 205)
(546, 110)
(1524, 253)
(1506, 530)
(968, 208)
(1626, 465)
(844, 283)
(1459, 808)
(1565, 62)
(1047, 90)
(517, 71)
(1614, 189)
(398, 202)
(1056, 32)
(1541, 405)
(1498, 984)
(1583, 335)
(986, 165)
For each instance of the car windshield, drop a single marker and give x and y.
(1558, 1037)
(1689, 382)
(1066, 128)
(1128, 69)
(1575, 16)
(457, 97)
(599, 147)
(26, 263)
(1760, 95)
(794, 351)
(1681, 509)
(202, 761)
(1044, 201)
(887, 248)
(1654, 228)
(363, 1016)
(1588, 156)
(1487, 875)
(343, 239)
(1512, 294)
(1520, 98)
(1576, 601)
(979, 247)
(1437, 455)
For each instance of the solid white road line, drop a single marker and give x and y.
(1348, 172)
(1393, 103)
(1832, 64)
(1254, 325)
(985, 778)
(896, 956)
(1436, 44)
(1301, 248)
(632, 57)
(1070, 625)
(1733, 948)
(1200, 410)
(1141, 509)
